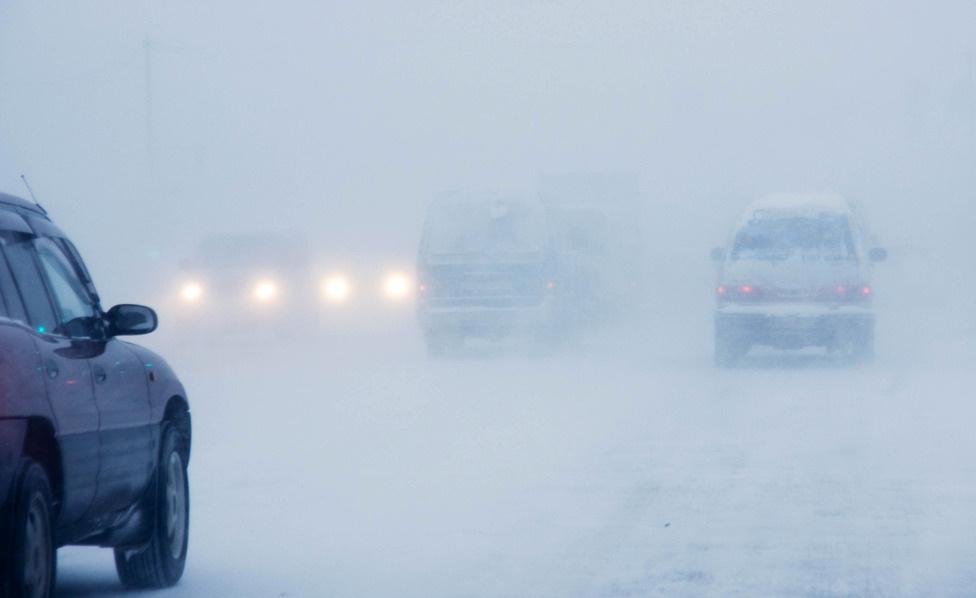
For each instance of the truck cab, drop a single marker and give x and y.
(596, 221)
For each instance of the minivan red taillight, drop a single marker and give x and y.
(739, 292)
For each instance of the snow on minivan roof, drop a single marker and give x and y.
(780, 205)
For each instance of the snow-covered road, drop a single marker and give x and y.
(628, 467)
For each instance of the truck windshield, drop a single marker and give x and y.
(808, 238)
(485, 228)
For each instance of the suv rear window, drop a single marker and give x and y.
(806, 237)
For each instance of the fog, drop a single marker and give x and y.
(334, 456)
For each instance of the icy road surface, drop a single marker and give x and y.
(626, 467)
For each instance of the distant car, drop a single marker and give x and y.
(94, 431)
(487, 267)
(245, 279)
(243, 275)
(796, 273)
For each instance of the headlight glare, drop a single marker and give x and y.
(396, 286)
(191, 292)
(265, 291)
(336, 288)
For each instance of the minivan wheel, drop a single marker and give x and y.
(442, 344)
(29, 568)
(160, 563)
(728, 350)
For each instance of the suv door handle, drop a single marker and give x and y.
(100, 375)
(52, 369)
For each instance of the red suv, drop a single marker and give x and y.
(94, 431)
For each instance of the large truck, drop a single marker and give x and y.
(596, 221)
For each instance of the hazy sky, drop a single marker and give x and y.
(342, 119)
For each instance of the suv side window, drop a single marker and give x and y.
(20, 257)
(10, 305)
(77, 312)
(72, 251)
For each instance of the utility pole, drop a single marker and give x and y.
(971, 93)
(150, 144)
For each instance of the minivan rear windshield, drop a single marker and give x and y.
(805, 237)
(485, 228)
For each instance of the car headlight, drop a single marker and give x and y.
(191, 292)
(265, 291)
(396, 286)
(336, 289)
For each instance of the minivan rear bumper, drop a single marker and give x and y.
(486, 321)
(792, 326)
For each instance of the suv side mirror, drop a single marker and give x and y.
(878, 254)
(128, 319)
(718, 254)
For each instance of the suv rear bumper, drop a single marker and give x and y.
(786, 326)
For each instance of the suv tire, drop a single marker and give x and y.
(855, 344)
(29, 569)
(160, 563)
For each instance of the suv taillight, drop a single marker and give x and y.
(852, 293)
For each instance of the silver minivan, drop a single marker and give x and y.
(486, 268)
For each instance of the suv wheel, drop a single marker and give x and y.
(854, 345)
(29, 569)
(160, 563)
